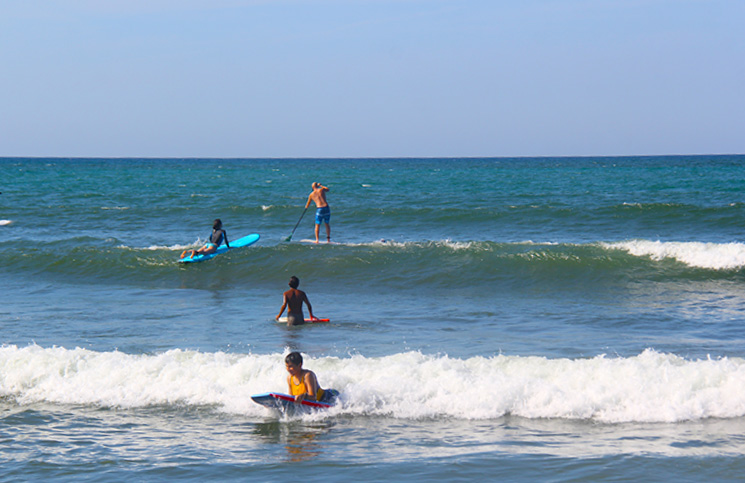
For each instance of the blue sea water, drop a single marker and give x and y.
(520, 319)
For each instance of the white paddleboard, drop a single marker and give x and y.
(320, 242)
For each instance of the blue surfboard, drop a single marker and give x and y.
(239, 243)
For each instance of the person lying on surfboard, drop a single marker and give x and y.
(293, 300)
(303, 383)
(216, 238)
(323, 212)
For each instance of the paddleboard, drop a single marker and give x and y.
(285, 402)
(239, 243)
(283, 320)
(5, 222)
(320, 242)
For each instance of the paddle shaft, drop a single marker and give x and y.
(297, 224)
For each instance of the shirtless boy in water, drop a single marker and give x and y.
(293, 301)
(323, 212)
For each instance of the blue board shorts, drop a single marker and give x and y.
(323, 215)
(329, 395)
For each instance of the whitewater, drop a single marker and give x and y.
(651, 387)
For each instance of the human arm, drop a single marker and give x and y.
(307, 302)
(284, 305)
(225, 234)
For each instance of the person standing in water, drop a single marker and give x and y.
(293, 300)
(216, 238)
(323, 212)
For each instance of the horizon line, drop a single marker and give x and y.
(331, 158)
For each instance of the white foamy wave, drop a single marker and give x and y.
(198, 243)
(650, 387)
(377, 243)
(382, 242)
(453, 245)
(266, 207)
(716, 256)
(174, 247)
(115, 379)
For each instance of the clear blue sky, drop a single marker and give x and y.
(369, 78)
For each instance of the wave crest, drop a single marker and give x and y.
(649, 387)
(712, 256)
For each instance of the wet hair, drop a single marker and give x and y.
(294, 358)
(315, 183)
(294, 281)
(217, 224)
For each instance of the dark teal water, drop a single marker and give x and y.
(568, 318)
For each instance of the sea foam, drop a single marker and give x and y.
(716, 256)
(649, 387)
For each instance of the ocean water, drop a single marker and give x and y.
(551, 319)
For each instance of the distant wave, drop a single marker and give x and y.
(392, 264)
(649, 387)
(713, 256)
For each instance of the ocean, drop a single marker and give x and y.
(526, 319)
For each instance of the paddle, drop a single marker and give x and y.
(296, 225)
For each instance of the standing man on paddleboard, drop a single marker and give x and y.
(294, 299)
(323, 212)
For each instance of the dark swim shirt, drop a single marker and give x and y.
(217, 237)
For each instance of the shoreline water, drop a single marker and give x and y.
(573, 318)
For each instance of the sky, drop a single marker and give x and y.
(371, 78)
